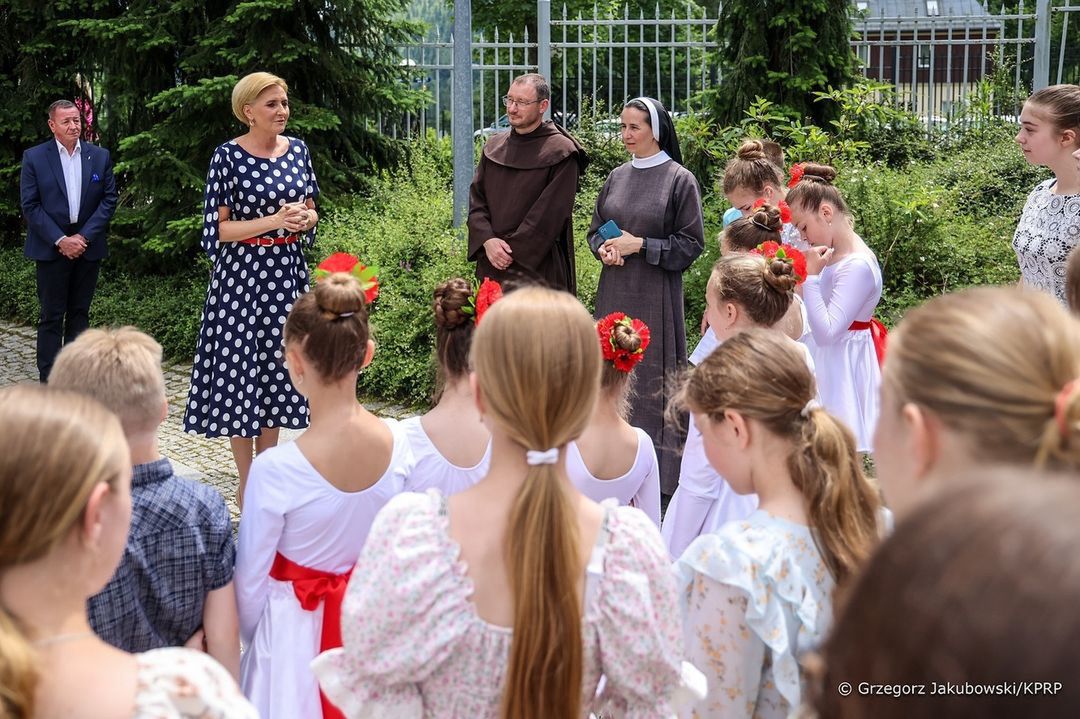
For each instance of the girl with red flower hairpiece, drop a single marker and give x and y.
(745, 291)
(450, 443)
(752, 179)
(311, 502)
(763, 227)
(611, 458)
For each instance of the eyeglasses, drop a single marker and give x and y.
(508, 101)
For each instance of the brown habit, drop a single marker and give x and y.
(523, 193)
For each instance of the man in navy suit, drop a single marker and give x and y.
(68, 196)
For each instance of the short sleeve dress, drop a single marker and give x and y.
(415, 648)
(1048, 230)
(755, 596)
(238, 380)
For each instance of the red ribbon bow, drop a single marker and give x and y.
(312, 588)
(878, 333)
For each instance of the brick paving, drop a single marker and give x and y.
(207, 460)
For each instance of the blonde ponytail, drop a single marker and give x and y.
(1004, 381)
(543, 677)
(18, 670)
(843, 504)
(537, 365)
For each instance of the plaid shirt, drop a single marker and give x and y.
(179, 549)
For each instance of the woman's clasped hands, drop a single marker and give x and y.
(295, 217)
(614, 251)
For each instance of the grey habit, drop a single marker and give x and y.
(663, 205)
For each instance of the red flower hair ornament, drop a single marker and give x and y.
(775, 251)
(483, 297)
(797, 171)
(785, 211)
(351, 265)
(623, 360)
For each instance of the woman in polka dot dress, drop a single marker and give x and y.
(259, 211)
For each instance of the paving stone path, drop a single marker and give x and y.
(207, 460)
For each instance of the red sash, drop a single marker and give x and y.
(313, 588)
(877, 332)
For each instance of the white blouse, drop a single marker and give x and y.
(639, 487)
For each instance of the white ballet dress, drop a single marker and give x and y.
(848, 374)
(639, 487)
(431, 470)
(291, 511)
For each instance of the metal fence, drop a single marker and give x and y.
(940, 66)
(596, 63)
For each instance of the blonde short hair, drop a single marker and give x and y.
(121, 369)
(250, 87)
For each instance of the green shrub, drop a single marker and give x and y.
(404, 229)
(168, 307)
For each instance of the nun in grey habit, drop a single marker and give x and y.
(656, 204)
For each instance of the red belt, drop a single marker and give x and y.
(312, 588)
(877, 332)
(268, 241)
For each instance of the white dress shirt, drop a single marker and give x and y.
(72, 167)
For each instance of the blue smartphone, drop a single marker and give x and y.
(609, 230)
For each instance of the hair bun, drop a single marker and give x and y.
(751, 150)
(768, 217)
(626, 338)
(780, 275)
(819, 173)
(450, 298)
(339, 294)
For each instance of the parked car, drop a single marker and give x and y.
(500, 125)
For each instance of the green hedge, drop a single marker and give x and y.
(165, 306)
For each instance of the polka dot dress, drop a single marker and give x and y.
(239, 383)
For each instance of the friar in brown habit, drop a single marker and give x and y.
(522, 196)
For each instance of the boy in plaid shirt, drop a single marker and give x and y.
(174, 584)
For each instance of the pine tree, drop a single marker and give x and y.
(167, 71)
(782, 50)
(38, 64)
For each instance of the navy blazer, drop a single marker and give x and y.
(43, 196)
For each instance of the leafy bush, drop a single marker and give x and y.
(404, 229)
(168, 307)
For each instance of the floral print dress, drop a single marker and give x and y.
(755, 596)
(414, 645)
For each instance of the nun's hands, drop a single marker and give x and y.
(609, 255)
(626, 244)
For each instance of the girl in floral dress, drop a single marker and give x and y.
(62, 535)
(512, 598)
(757, 593)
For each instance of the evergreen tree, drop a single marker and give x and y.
(167, 72)
(38, 64)
(782, 50)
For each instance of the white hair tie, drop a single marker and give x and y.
(810, 407)
(654, 116)
(547, 456)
